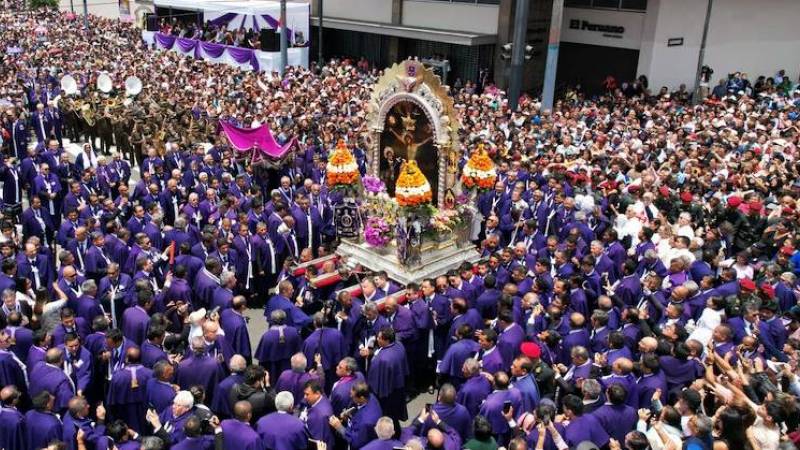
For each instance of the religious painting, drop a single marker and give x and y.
(408, 135)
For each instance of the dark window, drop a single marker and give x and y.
(579, 3)
(640, 5)
(606, 4)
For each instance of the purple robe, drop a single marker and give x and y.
(159, 394)
(36, 355)
(340, 393)
(680, 373)
(41, 428)
(176, 424)
(456, 416)
(12, 429)
(647, 385)
(127, 395)
(362, 424)
(221, 298)
(53, 380)
(151, 354)
(221, 405)
(617, 420)
(585, 428)
(329, 343)
(276, 348)
(239, 436)
(473, 392)
(492, 360)
(508, 342)
(492, 409)
(316, 419)
(281, 431)
(454, 358)
(236, 334)
(135, 321)
(179, 291)
(202, 370)
(293, 382)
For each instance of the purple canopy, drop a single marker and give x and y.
(208, 50)
(261, 138)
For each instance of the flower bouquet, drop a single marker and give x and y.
(377, 232)
(479, 172)
(413, 189)
(373, 185)
(342, 170)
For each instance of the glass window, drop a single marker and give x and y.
(606, 4)
(578, 3)
(639, 5)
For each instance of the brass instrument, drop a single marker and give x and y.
(88, 113)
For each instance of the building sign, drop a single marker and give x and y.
(607, 30)
(622, 29)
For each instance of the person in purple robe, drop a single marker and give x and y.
(315, 412)
(282, 301)
(42, 425)
(222, 297)
(361, 418)
(234, 323)
(205, 282)
(651, 381)
(77, 417)
(221, 404)
(328, 343)
(386, 375)
(582, 427)
(199, 368)
(127, 391)
(38, 349)
(509, 338)
(136, 319)
(237, 434)
(13, 371)
(179, 290)
(169, 423)
(489, 356)
(281, 430)
(78, 363)
(451, 365)
(475, 389)
(348, 374)
(153, 347)
(615, 417)
(293, 379)
(278, 344)
(452, 413)
(12, 421)
(567, 378)
(502, 401)
(193, 437)
(50, 377)
(160, 390)
(682, 367)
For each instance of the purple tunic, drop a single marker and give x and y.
(236, 334)
(135, 321)
(159, 394)
(316, 419)
(340, 393)
(281, 431)
(473, 392)
(239, 436)
(200, 370)
(293, 382)
(41, 428)
(12, 429)
(617, 420)
(585, 428)
(455, 356)
(276, 348)
(53, 380)
(127, 395)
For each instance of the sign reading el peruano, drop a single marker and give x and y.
(577, 24)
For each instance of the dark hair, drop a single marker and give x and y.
(253, 374)
(574, 404)
(482, 428)
(617, 394)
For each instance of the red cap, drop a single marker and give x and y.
(687, 196)
(768, 290)
(530, 349)
(734, 201)
(664, 191)
(788, 251)
(634, 188)
(747, 283)
(755, 206)
(786, 211)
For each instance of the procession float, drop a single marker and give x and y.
(411, 215)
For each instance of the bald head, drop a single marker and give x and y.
(54, 356)
(435, 438)
(243, 410)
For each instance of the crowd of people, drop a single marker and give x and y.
(638, 288)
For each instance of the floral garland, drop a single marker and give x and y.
(412, 188)
(377, 232)
(479, 172)
(342, 170)
(373, 185)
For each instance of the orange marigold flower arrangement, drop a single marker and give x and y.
(479, 171)
(412, 188)
(342, 168)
